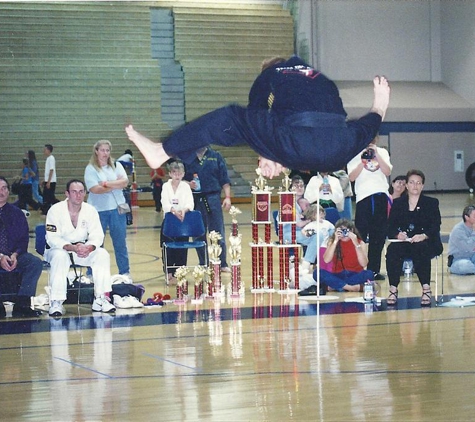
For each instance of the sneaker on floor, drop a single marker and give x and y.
(127, 278)
(134, 302)
(102, 304)
(379, 277)
(56, 308)
(225, 270)
(121, 302)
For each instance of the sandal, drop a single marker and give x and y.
(426, 298)
(392, 298)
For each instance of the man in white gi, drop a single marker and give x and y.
(73, 227)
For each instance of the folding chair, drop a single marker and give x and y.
(40, 246)
(192, 226)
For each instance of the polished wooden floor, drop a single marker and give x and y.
(266, 357)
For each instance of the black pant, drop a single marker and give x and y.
(49, 197)
(25, 197)
(420, 254)
(371, 219)
(298, 141)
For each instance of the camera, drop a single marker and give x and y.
(345, 232)
(368, 154)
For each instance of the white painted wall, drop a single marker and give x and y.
(458, 47)
(358, 39)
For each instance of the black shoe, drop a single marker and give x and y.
(310, 291)
(3, 312)
(25, 312)
(379, 277)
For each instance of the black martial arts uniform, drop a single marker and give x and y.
(295, 117)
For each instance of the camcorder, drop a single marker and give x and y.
(368, 154)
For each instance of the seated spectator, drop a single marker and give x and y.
(346, 252)
(127, 161)
(177, 198)
(74, 234)
(313, 213)
(462, 244)
(327, 190)
(310, 240)
(414, 226)
(14, 237)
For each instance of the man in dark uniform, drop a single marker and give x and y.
(209, 168)
(295, 119)
(14, 238)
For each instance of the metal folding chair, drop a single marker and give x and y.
(40, 246)
(191, 226)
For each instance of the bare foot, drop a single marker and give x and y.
(153, 152)
(269, 168)
(381, 95)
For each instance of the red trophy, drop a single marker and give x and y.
(261, 216)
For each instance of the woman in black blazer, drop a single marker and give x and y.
(414, 232)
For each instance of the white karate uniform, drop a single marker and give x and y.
(59, 232)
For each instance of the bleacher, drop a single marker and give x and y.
(73, 73)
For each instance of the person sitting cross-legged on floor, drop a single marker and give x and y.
(14, 239)
(73, 227)
(346, 253)
(462, 244)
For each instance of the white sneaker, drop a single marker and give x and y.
(102, 304)
(121, 302)
(56, 308)
(127, 278)
(132, 300)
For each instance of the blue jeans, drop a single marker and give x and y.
(309, 241)
(35, 186)
(338, 280)
(463, 266)
(30, 267)
(118, 231)
(347, 209)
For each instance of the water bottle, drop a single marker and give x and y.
(196, 179)
(407, 268)
(368, 291)
(326, 185)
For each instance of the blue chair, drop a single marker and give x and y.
(191, 226)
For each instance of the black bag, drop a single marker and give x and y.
(128, 289)
(16, 186)
(80, 293)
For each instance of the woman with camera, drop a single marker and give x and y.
(346, 261)
(370, 170)
(414, 233)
